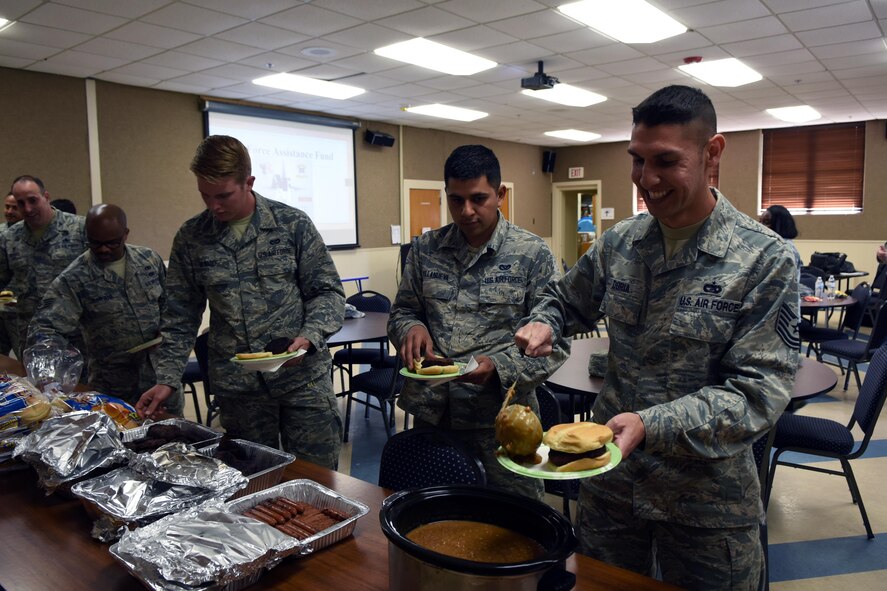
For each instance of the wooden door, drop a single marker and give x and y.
(506, 212)
(424, 210)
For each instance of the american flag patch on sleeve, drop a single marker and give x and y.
(787, 326)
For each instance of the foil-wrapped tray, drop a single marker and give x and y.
(200, 435)
(269, 461)
(173, 478)
(205, 548)
(308, 491)
(68, 448)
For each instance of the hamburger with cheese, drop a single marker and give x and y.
(574, 447)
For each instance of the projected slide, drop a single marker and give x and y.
(310, 167)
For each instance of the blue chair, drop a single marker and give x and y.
(830, 439)
(848, 329)
(201, 351)
(190, 377)
(426, 456)
(345, 359)
(859, 350)
(550, 415)
(381, 383)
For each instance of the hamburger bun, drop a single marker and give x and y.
(578, 446)
(434, 367)
(260, 355)
(6, 294)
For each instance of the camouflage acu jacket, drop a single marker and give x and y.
(472, 305)
(115, 315)
(703, 347)
(29, 264)
(277, 280)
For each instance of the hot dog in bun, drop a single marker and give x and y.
(574, 447)
(260, 355)
(434, 367)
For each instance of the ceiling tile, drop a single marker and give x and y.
(827, 36)
(369, 11)
(193, 19)
(17, 49)
(489, 10)
(744, 30)
(828, 16)
(219, 49)
(119, 49)
(61, 69)
(150, 71)
(87, 61)
(425, 22)
(304, 49)
(202, 80)
(247, 10)
(514, 52)
(15, 9)
(123, 8)
(279, 62)
(311, 20)
(472, 38)
(760, 46)
(72, 19)
(153, 35)
(576, 40)
(182, 61)
(868, 46)
(716, 13)
(259, 35)
(14, 62)
(139, 80)
(47, 36)
(536, 24)
(368, 37)
(614, 52)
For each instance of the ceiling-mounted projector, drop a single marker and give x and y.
(538, 81)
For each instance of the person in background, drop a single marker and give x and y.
(702, 303)
(65, 205)
(781, 221)
(7, 314)
(115, 292)
(464, 289)
(33, 253)
(11, 211)
(266, 273)
(881, 255)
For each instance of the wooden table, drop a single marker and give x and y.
(814, 378)
(572, 377)
(46, 545)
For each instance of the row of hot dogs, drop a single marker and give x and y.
(297, 519)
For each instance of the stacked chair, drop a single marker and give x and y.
(859, 350)
(848, 329)
(427, 457)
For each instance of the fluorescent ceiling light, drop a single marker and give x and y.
(305, 85)
(573, 134)
(447, 112)
(565, 94)
(5, 23)
(727, 72)
(799, 114)
(628, 21)
(434, 56)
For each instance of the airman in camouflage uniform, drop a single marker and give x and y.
(115, 292)
(7, 315)
(464, 289)
(702, 308)
(33, 253)
(266, 273)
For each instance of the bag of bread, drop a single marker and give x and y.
(22, 406)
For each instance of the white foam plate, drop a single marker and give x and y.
(145, 345)
(269, 364)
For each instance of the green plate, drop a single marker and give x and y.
(547, 471)
(444, 376)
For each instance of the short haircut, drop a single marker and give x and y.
(473, 162)
(27, 177)
(680, 105)
(222, 156)
(782, 222)
(64, 205)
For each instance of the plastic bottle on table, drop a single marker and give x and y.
(818, 288)
(831, 286)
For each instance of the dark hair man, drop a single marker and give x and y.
(464, 289)
(266, 273)
(702, 303)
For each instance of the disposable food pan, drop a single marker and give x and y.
(202, 435)
(308, 491)
(271, 463)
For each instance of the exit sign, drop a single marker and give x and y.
(576, 172)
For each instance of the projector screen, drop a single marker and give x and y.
(304, 161)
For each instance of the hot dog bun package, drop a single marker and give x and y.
(22, 408)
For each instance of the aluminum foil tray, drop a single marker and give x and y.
(272, 463)
(308, 491)
(202, 435)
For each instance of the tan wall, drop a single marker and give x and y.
(43, 123)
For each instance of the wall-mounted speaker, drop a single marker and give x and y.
(378, 138)
(548, 161)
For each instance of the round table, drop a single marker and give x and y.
(827, 303)
(372, 327)
(572, 377)
(814, 378)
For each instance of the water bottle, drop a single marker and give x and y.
(831, 286)
(818, 288)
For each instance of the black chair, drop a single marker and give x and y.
(879, 296)
(383, 384)
(831, 439)
(190, 377)
(550, 415)
(345, 359)
(859, 350)
(761, 450)
(427, 457)
(201, 351)
(848, 329)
